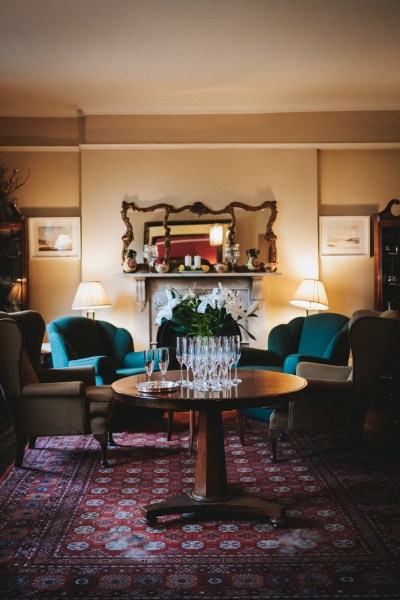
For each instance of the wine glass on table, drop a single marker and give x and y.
(163, 360)
(180, 351)
(237, 354)
(149, 364)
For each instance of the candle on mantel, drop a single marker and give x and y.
(188, 261)
(197, 262)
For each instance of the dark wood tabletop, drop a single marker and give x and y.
(258, 388)
(211, 494)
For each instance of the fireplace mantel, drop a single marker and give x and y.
(185, 278)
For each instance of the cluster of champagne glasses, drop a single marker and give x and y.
(163, 359)
(208, 361)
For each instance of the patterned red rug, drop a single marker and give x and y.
(70, 529)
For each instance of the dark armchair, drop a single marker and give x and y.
(47, 402)
(336, 399)
(79, 341)
(320, 338)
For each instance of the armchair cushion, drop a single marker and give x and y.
(104, 368)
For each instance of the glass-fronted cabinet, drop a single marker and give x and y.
(13, 260)
(387, 258)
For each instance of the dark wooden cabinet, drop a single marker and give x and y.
(387, 258)
(384, 413)
(13, 261)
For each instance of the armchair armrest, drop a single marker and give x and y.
(134, 360)
(104, 368)
(291, 361)
(54, 390)
(310, 370)
(84, 374)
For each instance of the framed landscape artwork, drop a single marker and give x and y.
(344, 236)
(55, 237)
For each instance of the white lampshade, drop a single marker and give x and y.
(216, 234)
(14, 295)
(90, 295)
(311, 295)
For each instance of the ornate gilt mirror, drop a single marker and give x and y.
(241, 224)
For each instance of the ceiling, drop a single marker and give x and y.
(66, 57)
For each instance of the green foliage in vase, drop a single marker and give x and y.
(204, 314)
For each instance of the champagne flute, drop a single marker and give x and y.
(149, 363)
(163, 360)
(180, 351)
(237, 354)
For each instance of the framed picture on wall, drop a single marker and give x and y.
(55, 237)
(344, 236)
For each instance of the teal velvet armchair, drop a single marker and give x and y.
(79, 341)
(320, 338)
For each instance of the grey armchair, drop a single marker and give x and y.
(336, 399)
(47, 402)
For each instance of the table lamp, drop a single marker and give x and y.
(90, 295)
(14, 296)
(310, 295)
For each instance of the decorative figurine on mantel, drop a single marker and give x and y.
(161, 267)
(130, 264)
(253, 262)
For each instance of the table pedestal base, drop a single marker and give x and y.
(238, 504)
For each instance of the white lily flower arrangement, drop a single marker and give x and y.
(210, 313)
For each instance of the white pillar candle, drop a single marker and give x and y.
(197, 262)
(188, 261)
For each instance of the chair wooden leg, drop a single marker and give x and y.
(273, 440)
(191, 431)
(170, 424)
(102, 438)
(240, 420)
(20, 450)
(111, 441)
(32, 442)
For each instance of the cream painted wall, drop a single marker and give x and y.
(52, 190)
(215, 177)
(305, 183)
(354, 182)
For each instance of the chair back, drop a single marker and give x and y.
(11, 349)
(284, 339)
(326, 335)
(370, 339)
(72, 338)
(33, 328)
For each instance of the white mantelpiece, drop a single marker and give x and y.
(150, 287)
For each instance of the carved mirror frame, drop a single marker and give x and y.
(200, 209)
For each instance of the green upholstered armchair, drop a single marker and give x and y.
(320, 338)
(79, 341)
(47, 402)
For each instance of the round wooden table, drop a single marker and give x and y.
(211, 494)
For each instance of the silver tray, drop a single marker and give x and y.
(157, 387)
